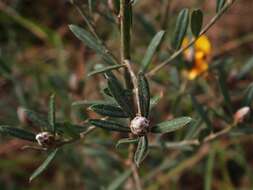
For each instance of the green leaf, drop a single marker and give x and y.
(141, 151)
(219, 5)
(104, 69)
(5, 69)
(201, 111)
(181, 28)
(109, 125)
(37, 119)
(87, 38)
(248, 97)
(43, 166)
(154, 100)
(118, 93)
(18, 133)
(126, 141)
(171, 125)
(119, 181)
(224, 88)
(51, 113)
(108, 110)
(196, 22)
(247, 68)
(144, 95)
(60, 128)
(70, 130)
(151, 50)
(116, 5)
(89, 102)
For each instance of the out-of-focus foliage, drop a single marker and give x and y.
(40, 56)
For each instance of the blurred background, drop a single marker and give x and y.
(39, 55)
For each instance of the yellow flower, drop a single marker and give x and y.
(199, 55)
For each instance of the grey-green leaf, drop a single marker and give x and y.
(181, 28)
(105, 69)
(224, 88)
(108, 110)
(17, 132)
(87, 38)
(119, 181)
(141, 151)
(43, 166)
(247, 68)
(37, 119)
(144, 95)
(89, 102)
(219, 5)
(196, 22)
(109, 125)
(51, 113)
(171, 125)
(118, 93)
(202, 112)
(248, 97)
(70, 130)
(126, 141)
(155, 42)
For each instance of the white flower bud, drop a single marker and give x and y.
(139, 125)
(240, 115)
(45, 139)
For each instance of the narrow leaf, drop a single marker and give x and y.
(104, 69)
(171, 125)
(119, 181)
(247, 68)
(224, 88)
(87, 38)
(219, 5)
(118, 93)
(154, 100)
(181, 28)
(141, 151)
(201, 111)
(109, 125)
(51, 113)
(5, 69)
(144, 95)
(126, 141)
(37, 119)
(196, 22)
(108, 110)
(248, 97)
(60, 128)
(18, 133)
(70, 130)
(43, 166)
(151, 50)
(89, 102)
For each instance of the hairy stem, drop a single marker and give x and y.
(125, 26)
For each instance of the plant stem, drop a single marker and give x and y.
(203, 31)
(130, 78)
(125, 25)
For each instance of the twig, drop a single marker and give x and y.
(135, 84)
(204, 30)
(130, 77)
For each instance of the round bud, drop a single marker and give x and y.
(45, 139)
(139, 125)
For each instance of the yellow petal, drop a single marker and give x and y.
(192, 74)
(203, 44)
